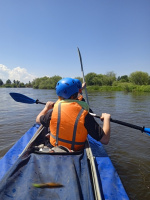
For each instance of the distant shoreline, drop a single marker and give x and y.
(126, 87)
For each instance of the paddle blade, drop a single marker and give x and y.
(22, 98)
(147, 130)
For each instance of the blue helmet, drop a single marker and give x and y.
(66, 87)
(79, 84)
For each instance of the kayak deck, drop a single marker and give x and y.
(70, 171)
(40, 169)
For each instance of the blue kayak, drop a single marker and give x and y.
(22, 166)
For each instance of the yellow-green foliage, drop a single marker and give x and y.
(46, 82)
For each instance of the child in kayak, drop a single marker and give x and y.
(69, 120)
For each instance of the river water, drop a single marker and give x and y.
(129, 149)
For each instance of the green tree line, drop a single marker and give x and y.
(135, 81)
(46, 82)
(14, 84)
(137, 78)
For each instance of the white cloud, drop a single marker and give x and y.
(17, 73)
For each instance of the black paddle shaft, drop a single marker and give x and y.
(123, 123)
(38, 102)
(127, 124)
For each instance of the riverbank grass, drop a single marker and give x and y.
(127, 87)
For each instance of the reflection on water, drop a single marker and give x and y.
(128, 149)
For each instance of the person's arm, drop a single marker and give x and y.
(94, 129)
(49, 105)
(106, 128)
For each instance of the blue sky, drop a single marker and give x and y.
(40, 37)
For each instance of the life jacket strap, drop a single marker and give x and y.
(67, 141)
(75, 128)
(58, 123)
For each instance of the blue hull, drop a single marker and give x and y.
(109, 181)
(12, 155)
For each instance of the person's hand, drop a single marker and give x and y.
(105, 116)
(49, 105)
(83, 85)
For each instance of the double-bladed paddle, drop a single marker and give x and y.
(24, 99)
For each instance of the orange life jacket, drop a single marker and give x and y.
(67, 124)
